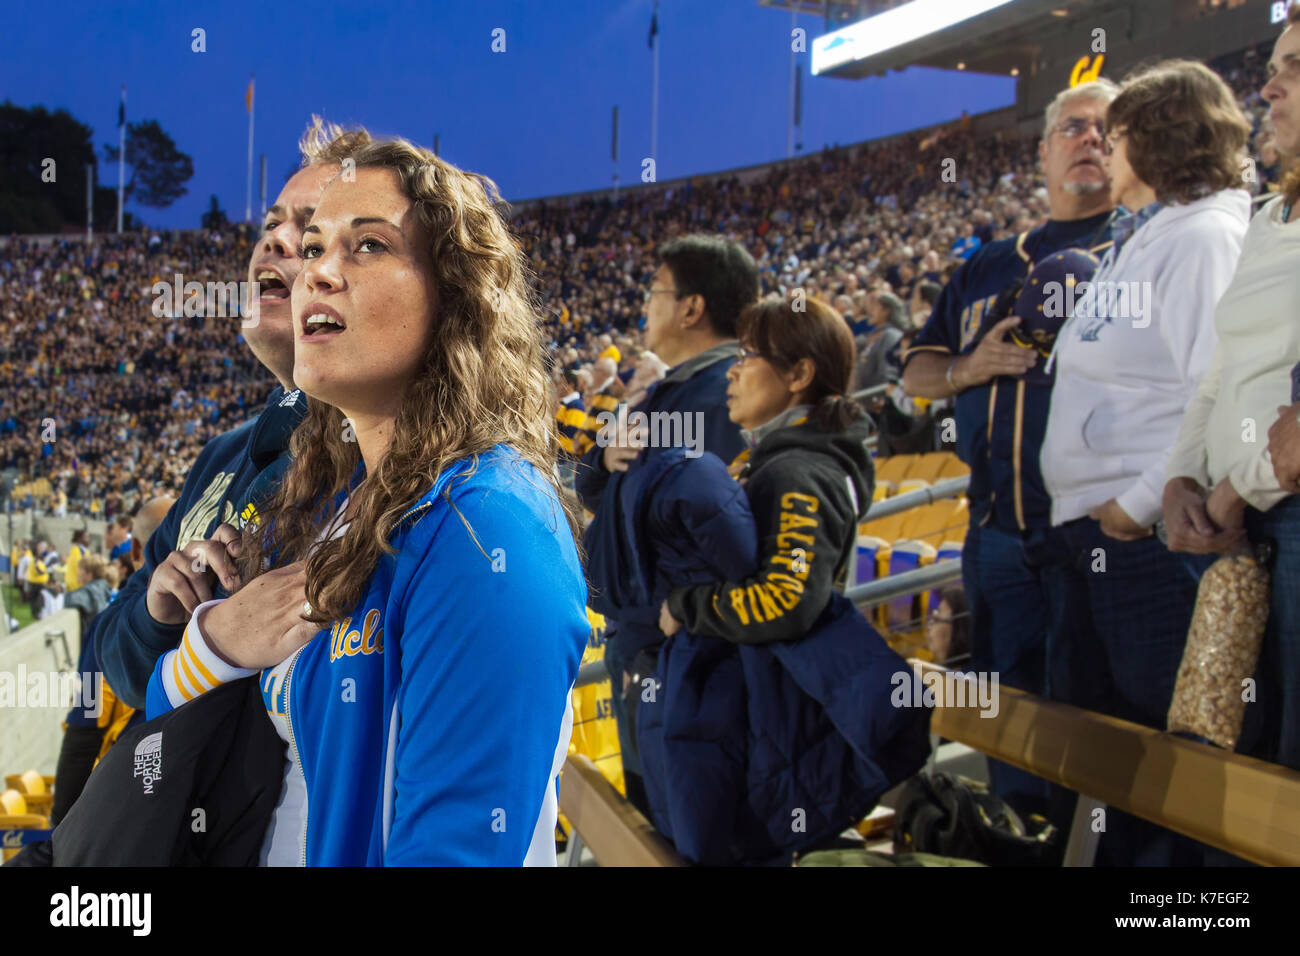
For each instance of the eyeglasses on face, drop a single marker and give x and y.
(743, 354)
(1076, 127)
(648, 293)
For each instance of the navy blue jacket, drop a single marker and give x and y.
(1001, 424)
(704, 391)
(232, 472)
(681, 521)
(754, 750)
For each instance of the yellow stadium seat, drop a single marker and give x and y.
(32, 783)
(15, 781)
(953, 467)
(927, 466)
(13, 802)
(912, 484)
(938, 522)
(888, 528)
(40, 804)
(890, 471)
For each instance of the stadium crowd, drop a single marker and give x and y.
(892, 255)
(134, 397)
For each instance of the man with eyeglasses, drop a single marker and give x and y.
(692, 304)
(970, 348)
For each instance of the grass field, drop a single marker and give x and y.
(16, 607)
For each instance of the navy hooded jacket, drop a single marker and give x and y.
(753, 751)
(674, 521)
(696, 386)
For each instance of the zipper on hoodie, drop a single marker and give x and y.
(293, 749)
(419, 507)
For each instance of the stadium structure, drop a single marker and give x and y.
(910, 547)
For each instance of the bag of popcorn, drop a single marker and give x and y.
(1222, 649)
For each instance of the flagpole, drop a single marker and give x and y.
(789, 130)
(654, 97)
(248, 193)
(121, 158)
(613, 151)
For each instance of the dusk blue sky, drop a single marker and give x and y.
(535, 118)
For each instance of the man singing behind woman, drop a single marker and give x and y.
(420, 533)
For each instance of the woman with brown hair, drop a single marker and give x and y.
(773, 700)
(807, 473)
(413, 598)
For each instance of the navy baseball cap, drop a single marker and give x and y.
(1046, 301)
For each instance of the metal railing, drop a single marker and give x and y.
(909, 582)
(948, 488)
(872, 593)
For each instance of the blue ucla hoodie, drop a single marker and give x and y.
(431, 723)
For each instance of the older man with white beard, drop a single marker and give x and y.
(1001, 419)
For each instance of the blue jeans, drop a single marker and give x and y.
(1120, 611)
(1272, 727)
(1008, 636)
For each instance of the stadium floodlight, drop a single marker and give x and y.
(893, 28)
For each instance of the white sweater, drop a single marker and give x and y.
(1125, 376)
(1225, 430)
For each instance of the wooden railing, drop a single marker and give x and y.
(615, 831)
(1239, 804)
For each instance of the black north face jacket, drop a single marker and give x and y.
(193, 787)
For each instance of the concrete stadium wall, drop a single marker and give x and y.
(32, 735)
(58, 531)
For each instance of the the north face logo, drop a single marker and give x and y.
(290, 399)
(148, 760)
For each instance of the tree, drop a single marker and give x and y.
(215, 217)
(29, 201)
(159, 171)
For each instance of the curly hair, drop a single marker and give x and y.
(1184, 131)
(482, 381)
(324, 142)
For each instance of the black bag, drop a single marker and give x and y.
(955, 817)
(196, 786)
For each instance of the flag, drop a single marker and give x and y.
(121, 109)
(654, 26)
(248, 97)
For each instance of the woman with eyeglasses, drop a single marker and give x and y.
(1128, 364)
(772, 696)
(807, 472)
